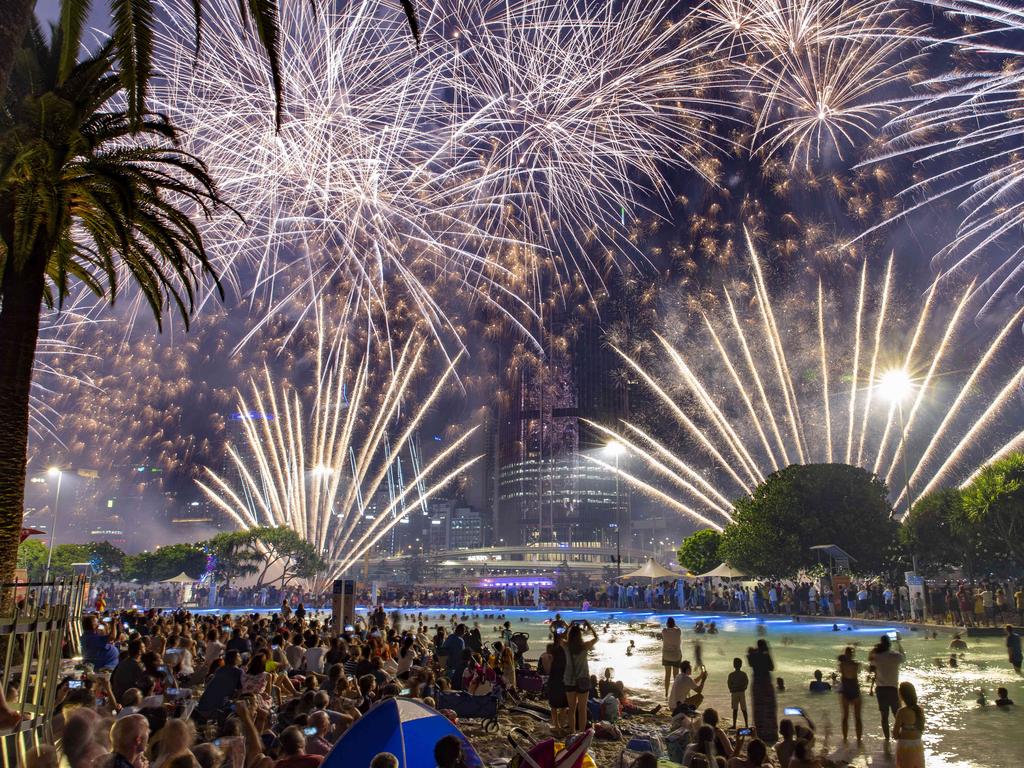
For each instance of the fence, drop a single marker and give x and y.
(39, 627)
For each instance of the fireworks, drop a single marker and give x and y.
(965, 134)
(818, 73)
(51, 369)
(315, 464)
(572, 112)
(782, 390)
(352, 193)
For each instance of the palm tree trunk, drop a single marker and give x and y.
(15, 17)
(22, 295)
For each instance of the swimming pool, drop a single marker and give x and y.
(960, 733)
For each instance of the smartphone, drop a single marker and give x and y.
(125, 623)
(893, 635)
(74, 683)
(162, 668)
(226, 628)
(274, 647)
(172, 691)
(349, 628)
(404, 692)
(309, 730)
(744, 731)
(797, 711)
(106, 619)
(559, 630)
(216, 743)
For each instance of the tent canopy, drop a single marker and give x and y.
(181, 578)
(652, 570)
(723, 571)
(406, 728)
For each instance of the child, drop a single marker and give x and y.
(1004, 699)
(738, 682)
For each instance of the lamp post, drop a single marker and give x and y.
(59, 474)
(896, 386)
(615, 449)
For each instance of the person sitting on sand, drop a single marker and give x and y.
(757, 756)
(787, 741)
(818, 685)
(701, 753)
(803, 755)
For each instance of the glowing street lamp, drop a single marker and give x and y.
(616, 449)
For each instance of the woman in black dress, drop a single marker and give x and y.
(762, 692)
(557, 699)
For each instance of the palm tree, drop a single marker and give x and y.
(132, 38)
(88, 193)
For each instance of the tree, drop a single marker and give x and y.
(32, 557)
(235, 555)
(804, 505)
(87, 193)
(995, 501)
(699, 552)
(933, 532)
(166, 563)
(285, 549)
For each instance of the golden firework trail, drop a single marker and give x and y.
(739, 428)
(315, 463)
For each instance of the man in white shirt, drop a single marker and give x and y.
(683, 684)
(886, 662)
(295, 653)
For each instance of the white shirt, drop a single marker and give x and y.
(315, 660)
(295, 654)
(681, 686)
(887, 668)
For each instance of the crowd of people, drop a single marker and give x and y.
(793, 743)
(987, 602)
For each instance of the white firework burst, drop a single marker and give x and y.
(966, 133)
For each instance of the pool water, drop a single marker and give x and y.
(959, 733)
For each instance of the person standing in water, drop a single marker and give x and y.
(849, 692)
(886, 661)
(908, 728)
(762, 692)
(671, 651)
(1013, 650)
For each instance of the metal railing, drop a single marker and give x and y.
(39, 628)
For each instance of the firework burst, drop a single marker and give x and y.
(314, 463)
(818, 74)
(355, 192)
(965, 133)
(765, 402)
(573, 111)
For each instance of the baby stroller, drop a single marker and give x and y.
(544, 754)
(520, 645)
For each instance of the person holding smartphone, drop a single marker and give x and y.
(887, 660)
(577, 674)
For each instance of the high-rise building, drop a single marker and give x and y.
(547, 489)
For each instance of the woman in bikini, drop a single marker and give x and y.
(849, 692)
(908, 728)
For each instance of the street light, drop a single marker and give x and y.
(616, 449)
(896, 385)
(59, 474)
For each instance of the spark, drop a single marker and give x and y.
(953, 419)
(313, 464)
(964, 134)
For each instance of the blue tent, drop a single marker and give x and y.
(406, 728)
